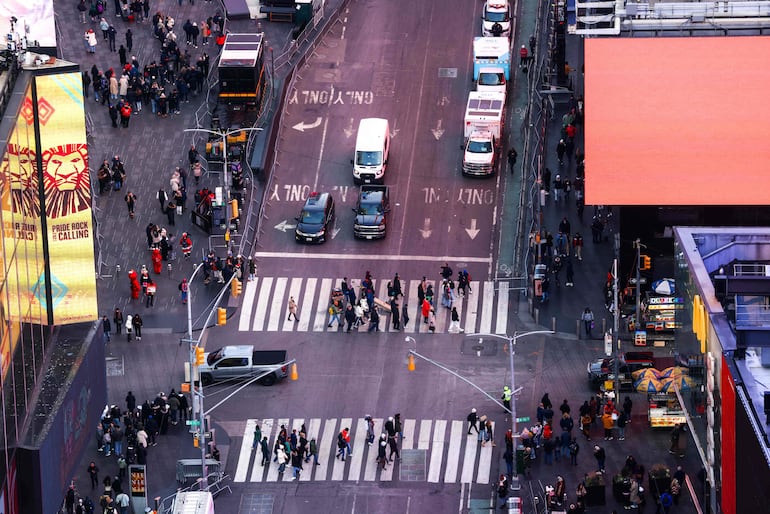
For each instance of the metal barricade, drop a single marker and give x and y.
(191, 468)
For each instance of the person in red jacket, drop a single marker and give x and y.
(524, 54)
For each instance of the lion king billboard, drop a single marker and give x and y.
(46, 207)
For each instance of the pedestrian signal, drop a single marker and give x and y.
(646, 262)
(235, 288)
(221, 316)
(200, 357)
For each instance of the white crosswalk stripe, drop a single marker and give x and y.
(448, 449)
(265, 305)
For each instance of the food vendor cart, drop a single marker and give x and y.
(664, 411)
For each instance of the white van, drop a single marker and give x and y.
(193, 502)
(372, 147)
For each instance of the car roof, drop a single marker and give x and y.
(317, 201)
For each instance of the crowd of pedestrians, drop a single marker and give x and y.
(294, 449)
(164, 84)
(125, 437)
(352, 307)
(553, 439)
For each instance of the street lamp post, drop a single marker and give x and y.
(197, 393)
(511, 345)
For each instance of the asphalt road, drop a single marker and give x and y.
(379, 63)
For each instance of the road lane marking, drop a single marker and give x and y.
(262, 301)
(485, 461)
(370, 473)
(486, 314)
(306, 307)
(327, 447)
(338, 473)
(362, 257)
(469, 460)
(245, 455)
(258, 470)
(437, 452)
(453, 454)
(275, 309)
(501, 321)
(248, 305)
(359, 446)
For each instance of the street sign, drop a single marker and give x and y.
(642, 281)
(193, 422)
(522, 420)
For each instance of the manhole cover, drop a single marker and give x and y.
(412, 466)
(255, 503)
(447, 73)
(479, 347)
(114, 366)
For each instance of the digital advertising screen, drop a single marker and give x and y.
(24, 262)
(50, 277)
(67, 197)
(677, 121)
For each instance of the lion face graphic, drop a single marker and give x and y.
(19, 177)
(65, 177)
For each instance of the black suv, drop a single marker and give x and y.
(316, 219)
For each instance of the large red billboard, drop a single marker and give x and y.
(677, 121)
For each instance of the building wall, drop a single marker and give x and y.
(47, 291)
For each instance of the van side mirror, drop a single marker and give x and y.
(351, 161)
(385, 161)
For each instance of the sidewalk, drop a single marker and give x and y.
(151, 147)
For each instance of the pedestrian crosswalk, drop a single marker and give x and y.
(265, 305)
(451, 454)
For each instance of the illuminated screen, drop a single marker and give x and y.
(677, 121)
(64, 160)
(35, 14)
(22, 241)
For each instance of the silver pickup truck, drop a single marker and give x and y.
(241, 363)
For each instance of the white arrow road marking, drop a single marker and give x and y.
(284, 226)
(438, 131)
(473, 231)
(335, 231)
(301, 126)
(349, 130)
(426, 231)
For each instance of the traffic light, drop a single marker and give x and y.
(200, 357)
(410, 362)
(293, 373)
(221, 316)
(196, 442)
(646, 262)
(235, 288)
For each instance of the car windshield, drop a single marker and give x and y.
(368, 158)
(491, 79)
(311, 216)
(497, 16)
(369, 209)
(214, 356)
(480, 147)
